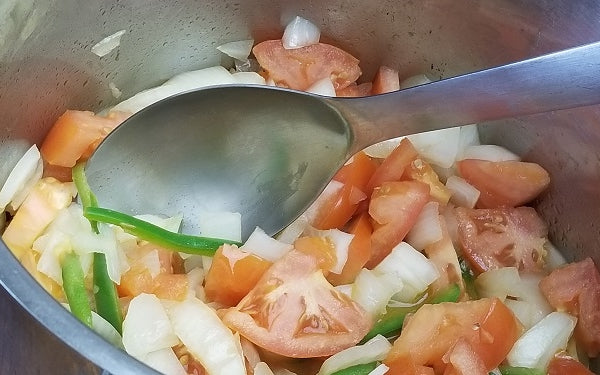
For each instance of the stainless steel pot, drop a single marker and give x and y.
(46, 66)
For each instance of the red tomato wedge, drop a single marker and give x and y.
(487, 325)
(74, 133)
(355, 91)
(358, 171)
(359, 251)
(504, 183)
(232, 274)
(299, 68)
(502, 237)
(393, 166)
(386, 80)
(576, 289)
(394, 207)
(563, 365)
(337, 210)
(463, 360)
(293, 311)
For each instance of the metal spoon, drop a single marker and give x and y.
(267, 153)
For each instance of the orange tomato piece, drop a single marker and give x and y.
(393, 166)
(338, 209)
(321, 248)
(358, 171)
(355, 91)
(420, 170)
(562, 364)
(233, 274)
(386, 80)
(463, 360)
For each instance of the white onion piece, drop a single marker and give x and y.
(106, 45)
(529, 291)
(438, 147)
(207, 338)
(376, 349)
(250, 78)
(282, 371)
(416, 80)
(427, 229)
(172, 224)
(164, 361)
(488, 152)
(22, 172)
(322, 87)
(262, 368)
(261, 244)
(345, 289)
(463, 193)
(372, 291)
(146, 327)
(341, 243)
(383, 149)
(299, 33)
(250, 352)
(114, 90)
(152, 263)
(501, 282)
(536, 347)
(469, 136)
(248, 65)
(206, 262)
(413, 268)
(239, 50)
(524, 311)
(294, 230)
(51, 246)
(195, 279)
(224, 225)
(554, 258)
(103, 328)
(19, 198)
(379, 370)
(192, 261)
(10, 153)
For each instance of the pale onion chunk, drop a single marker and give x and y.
(529, 291)
(299, 33)
(438, 147)
(224, 225)
(146, 327)
(376, 349)
(554, 258)
(262, 245)
(106, 45)
(19, 198)
(52, 246)
(427, 229)
(262, 368)
(323, 87)
(524, 311)
(536, 347)
(23, 171)
(416, 80)
(501, 282)
(463, 193)
(382, 149)
(172, 224)
(488, 152)
(379, 370)
(103, 328)
(373, 292)
(195, 279)
(10, 152)
(152, 263)
(239, 50)
(469, 136)
(294, 230)
(207, 338)
(164, 361)
(250, 78)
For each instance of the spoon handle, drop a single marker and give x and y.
(560, 80)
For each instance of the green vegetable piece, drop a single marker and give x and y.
(509, 370)
(87, 197)
(450, 294)
(105, 294)
(74, 286)
(469, 278)
(362, 369)
(155, 234)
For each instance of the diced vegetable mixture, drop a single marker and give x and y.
(420, 257)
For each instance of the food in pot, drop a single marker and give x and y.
(420, 257)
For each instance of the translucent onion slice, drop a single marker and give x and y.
(300, 33)
(262, 368)
(488, 152)
(427, 229)
(438, 147)
(261, 244)
(383, 149)
(554, 258)
(380, 370)
(469, 136)
(239, 50)
(463, 193)
(373, 350)
(103, 328)
(164, 361)
(20, 196)
(341, 242)
(323, 87)
(373, 292)
(501, 282)
(106, 45)
(416, 80)
(22, 172)
(225, 225)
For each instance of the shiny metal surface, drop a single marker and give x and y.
(269, 155)
(46, 66)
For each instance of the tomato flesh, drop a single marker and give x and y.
(561, 365)
(386, 80)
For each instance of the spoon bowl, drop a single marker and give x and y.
(267, 152)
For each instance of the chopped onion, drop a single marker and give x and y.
(299, 33)
(438, 147)
(152, 263)
(469, 136)
(250, 78)
(536, 347)
(554, 258)
(501, 282)
(114, 90)
(416, 80)
(192, 261)
(19, 198)
(372, 291)
(322, 87)
(341, 242)
(106, 45)
(23, 171)
(224, 225)
(463, 193)
(248, 65)
(195, 279)
(51, 246)
(383, 149)
(164, 361)
(529, 291)
(488, 152)
(261, 244)
(10, 153)
(262, 368)
(146, 327)
(172, 224)
(376, 349)
(294, 230)
(524, 311)
(250, 352)
(207, 338)
(379, 370)
(345, 289)
(427, 229)
(239, 50)
(103, 328)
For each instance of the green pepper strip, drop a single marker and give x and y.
(105, 291)
(508, 370)
(362, 369)
(392, 321)
(155, 234)
(74, 286)
(469, 279)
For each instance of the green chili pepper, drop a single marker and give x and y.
(450, 294)
(74, 286)
(361, 369)
(87, 197)
(155, 234)
(469, 278)
(509, 370)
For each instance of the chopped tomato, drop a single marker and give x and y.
(394, 207)
(232, 274)
(420, 170)
(355, 91)
(358, 171)
(293, 311)
(73, 134)
(561, 365)
(576, 289)
(505, 183)
(62, 174)
(335, 211)
(320, 248)
(299, 68)
(502, 237)
(386, 80)
(487, 325)
(463, 360)
(443, 255)
(393, 166)
(359, 250)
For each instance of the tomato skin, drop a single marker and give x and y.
(386, 80)
(505, 183)
(576, 289)
(299, 68)
(293, 311)
(393, 166)
(233, 273)
(394, 208)
(561, 365)
(502, 237)
(487, 325)
(358, 172)
(336, 211)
